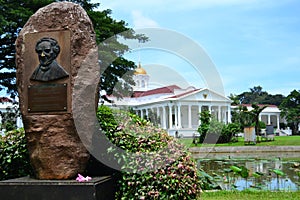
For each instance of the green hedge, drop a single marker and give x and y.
(14, 158)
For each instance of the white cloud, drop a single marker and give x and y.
(140, 21)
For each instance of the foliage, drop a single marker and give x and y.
(261, 125)
(114, 68)
(208, 182)
(290, 109)
(8, 118)
(215, 131)
(204, 125)
(107, 120)
(248, 118)
(177, 180)
(14, 15)
(250, 194)
(228, 131)
(14, 158)
(153, 118)
(223, 133)
(256, 95)
(279, 141)
(255, 112)
(242, 116)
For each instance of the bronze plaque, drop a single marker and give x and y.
(47, 98)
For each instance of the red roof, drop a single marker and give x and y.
(5, 99)
(162, 90)
(183, 94)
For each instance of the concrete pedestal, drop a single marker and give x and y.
(25, 188)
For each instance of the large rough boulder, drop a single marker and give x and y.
(56, 150)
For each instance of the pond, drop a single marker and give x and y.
(252, 173)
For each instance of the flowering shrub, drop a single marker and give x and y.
(14, 158)
(171, 173)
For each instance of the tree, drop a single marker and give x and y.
(14, 15)
(116, 71)
(248, 118)
(203, 128)
(235, 99)
(255, 112)
(290, 109)
(258, 96)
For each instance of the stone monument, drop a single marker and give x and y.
(55, 43)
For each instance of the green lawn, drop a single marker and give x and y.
(253, 195)
(279, 141)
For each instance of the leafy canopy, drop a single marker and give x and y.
(290, 109)
(256, 95)
(115, 69)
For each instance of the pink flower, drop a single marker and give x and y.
(81, 178)
(180, 166)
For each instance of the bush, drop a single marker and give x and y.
(178, 179)
(228, 131)
(14, 157)
(204, 126)
(213, 131)
(8, 118)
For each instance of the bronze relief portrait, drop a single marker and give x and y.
(48, 70)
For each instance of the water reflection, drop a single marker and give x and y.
(260, 177)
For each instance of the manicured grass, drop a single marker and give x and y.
(279, 141)
(253, 195)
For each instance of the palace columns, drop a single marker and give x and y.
(164, 121)
(179, 115)
(228, 115)
(170, 116)
(190, 116)
(219, 114)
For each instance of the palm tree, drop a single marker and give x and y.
(255, 113)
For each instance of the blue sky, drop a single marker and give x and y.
(250, 42)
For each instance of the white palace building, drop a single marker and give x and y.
(178, 109)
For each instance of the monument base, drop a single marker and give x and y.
(25, 188)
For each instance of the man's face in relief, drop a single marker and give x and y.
(45, 53)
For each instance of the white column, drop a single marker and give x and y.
(170, 116)
(199, 111)
(228, 115)
(147, 113)
(142, 114)
(164, 121)
(219, 114)
(269, 119)
(190, 116)
(278, 125)
(176, 115)
(179, 115)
